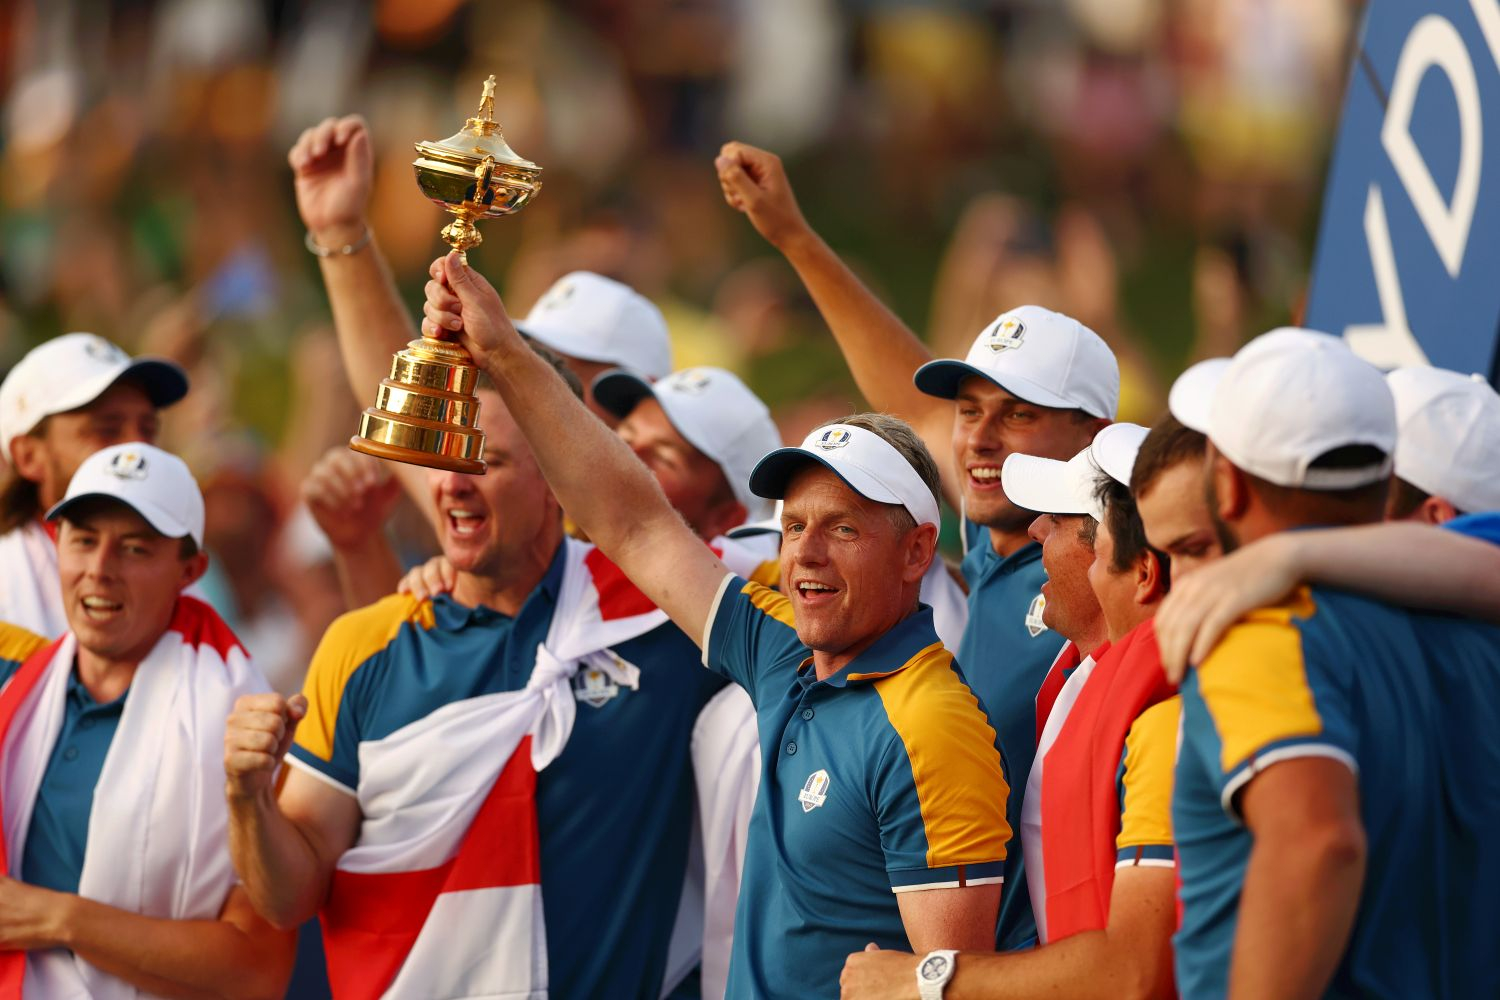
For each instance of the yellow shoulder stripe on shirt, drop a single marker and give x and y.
(1254, 684)
(351, 640)
(960, 783)
(16, 643)
(769, 602)
(767, 574)
(1150, 759)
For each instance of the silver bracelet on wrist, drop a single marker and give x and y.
(344, 251)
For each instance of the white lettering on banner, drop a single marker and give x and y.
(1389, 344)
(1435, 42)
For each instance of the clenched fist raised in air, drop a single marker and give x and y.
(257, 737)
(333, 168)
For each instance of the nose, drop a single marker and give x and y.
(984, 435)
(1040, 528)
(100, 564)
(808, 550)
(454, 484)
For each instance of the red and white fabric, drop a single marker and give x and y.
(440, 896)
(158, 832)
(30, 592)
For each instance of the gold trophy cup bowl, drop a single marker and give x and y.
(425, 412)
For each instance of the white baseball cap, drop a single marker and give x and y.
(74, 370)
(1448, 437)
(868, 463)
(594, 318)
(1284, 400)
(714, 411)
(1048, 486)
(1037, 355)
(155, 484)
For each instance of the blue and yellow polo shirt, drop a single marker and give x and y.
(614, 811)
(1326, 674)
(1145, 788)
(1006, 652)
(884, 778)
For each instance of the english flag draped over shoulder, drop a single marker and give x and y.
(441, 894)
(159, 815)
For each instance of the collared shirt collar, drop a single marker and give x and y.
(451, 616)
(887, 655)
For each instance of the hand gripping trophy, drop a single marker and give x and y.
(425, 413)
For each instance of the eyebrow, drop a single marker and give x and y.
(1182, 539)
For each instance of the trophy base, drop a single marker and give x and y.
(411, 456)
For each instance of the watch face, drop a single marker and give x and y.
(934, 968)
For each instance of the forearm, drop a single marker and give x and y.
(882, 352)
(1296, 913)
(280, 871)
(367, 571)
(186, 959)
(1410, 564)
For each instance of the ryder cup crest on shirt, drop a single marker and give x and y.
(1036, 355)
(72, 371)
(815, 791)
(1035, 626)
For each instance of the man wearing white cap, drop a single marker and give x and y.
(1330, 805)
(881, 812)
(596, 323)
(62, 402)
(1447, 445)
(1097, 813)
(1034, 382)
(113, 808)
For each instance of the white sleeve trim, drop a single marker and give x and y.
(1145, 863)
(1259, 762)
(953, 884)
(307, 768)
(713, 612)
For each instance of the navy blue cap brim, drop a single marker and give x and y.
(164, 381)
(943, 377)
(772, 473)
(618, 391)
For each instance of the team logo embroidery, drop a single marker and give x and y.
(557, 297)
(692, 382)
(834, 437)
(595, 687)
(815, 792)
(102, 350)
(1006, 335)
(1034, 623)
(128, 465)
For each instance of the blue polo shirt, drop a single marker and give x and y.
(614, 811)
(1334, 675)
(884, 778)
(1482, 526)
(59, 830)
(1006, 652)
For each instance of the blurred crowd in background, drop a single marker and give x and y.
(1151, 167)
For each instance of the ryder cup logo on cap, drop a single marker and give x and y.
(594, 318)
(866, 462)
(713, 411)
(72, 371)
(1285, 400)
(155, 484)
(1005, 334)
(1448, 436)
(833, 437)
(1037, 355)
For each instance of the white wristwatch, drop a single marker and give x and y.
(934, 972)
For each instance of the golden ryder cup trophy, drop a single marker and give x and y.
(425, 413)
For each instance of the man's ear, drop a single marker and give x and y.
(921, 549)
(28, 456)
(1231, 488)
(193, 569)
(1435, 510)
(1150, 581)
